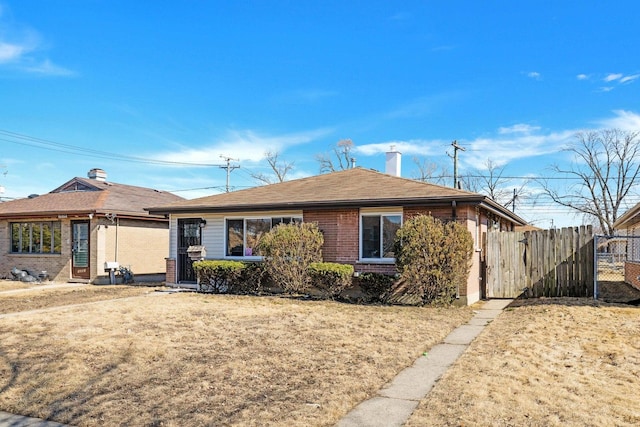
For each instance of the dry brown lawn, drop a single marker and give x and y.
(189, 359)
(37, 298)
(548, 362)
(7, 285)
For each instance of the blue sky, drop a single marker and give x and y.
(189, 81)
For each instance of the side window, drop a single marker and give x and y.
(377, 235)
(235, 237)
(36, 237)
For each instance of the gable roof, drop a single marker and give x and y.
(351, 187)
(84, 196)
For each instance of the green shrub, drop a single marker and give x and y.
(331, 278)
(288, 249)
(218, 276)
(433, 258)
(376, 287)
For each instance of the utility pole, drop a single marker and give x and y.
(456, 147)
(515, 196)
(229, 167)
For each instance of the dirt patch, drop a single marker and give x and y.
(617, 291)
(191, 359)
(546, 362)
(36, 299)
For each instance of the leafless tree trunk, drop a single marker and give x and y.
(340, 160)
(606, 166)
(279, 169)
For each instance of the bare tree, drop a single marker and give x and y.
(492, 182)
(340, 160)
(429, 171)
(279, 169)
(606, 166)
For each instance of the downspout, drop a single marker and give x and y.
(454, 214)
(117, 224)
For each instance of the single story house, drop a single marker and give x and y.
(630, 223)
(358, 210)
(70, 233)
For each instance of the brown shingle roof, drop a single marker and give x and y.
(97, 197)
(352, 187)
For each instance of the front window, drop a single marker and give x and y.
(36, 237)
(244, 234)
(378, 233)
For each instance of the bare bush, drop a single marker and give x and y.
(288, 251)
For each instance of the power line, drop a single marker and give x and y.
(46, 144)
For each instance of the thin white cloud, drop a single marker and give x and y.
(246, 145)
(624, 120)
(534, 75)
(582, 77)
(414, 146)
(20, 49)
(502, 150)
(10, 52)
(518, 128)
(612, 77)
(422, 106)
(46, 67)
(605, 89)
(627, 79)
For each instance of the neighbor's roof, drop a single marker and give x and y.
(84, 196)
(629, 218)
(348, 188)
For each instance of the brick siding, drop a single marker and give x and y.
(171, 271)
(632, 273)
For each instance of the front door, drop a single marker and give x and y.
(80, 250)
(188, 235)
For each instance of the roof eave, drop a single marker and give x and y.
(421, 201)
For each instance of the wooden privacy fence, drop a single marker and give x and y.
(550, 263)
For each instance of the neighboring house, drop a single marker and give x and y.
(630, 223)
(358, 211)
(72, 231)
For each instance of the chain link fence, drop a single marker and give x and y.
(617, 265)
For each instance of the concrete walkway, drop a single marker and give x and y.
(395, 403)
(10, 420)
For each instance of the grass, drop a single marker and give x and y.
(39, 298)
(190, 359)
(9, 285)
(549, 362)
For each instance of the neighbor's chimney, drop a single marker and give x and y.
(97, 174)
(394, 158)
